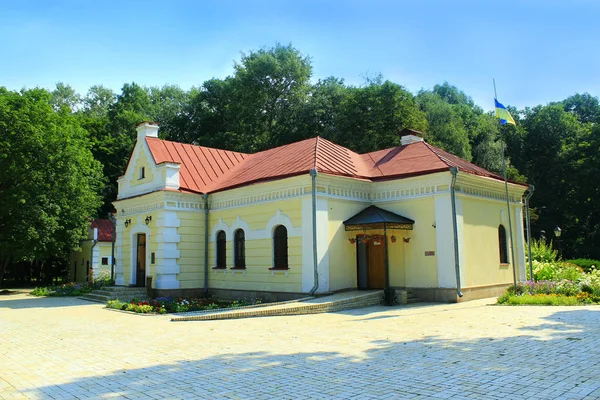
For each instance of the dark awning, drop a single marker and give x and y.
(374, 217)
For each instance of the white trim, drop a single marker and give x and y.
(267, 233)
(444, 238)
(461, 242)
(520, 242)
(307, 246)
(167, 251)
(164, 176)
(120, 257)
(322, 244)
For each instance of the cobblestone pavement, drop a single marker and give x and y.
(68, 348)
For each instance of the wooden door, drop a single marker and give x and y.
(376, 255)
(362, 265)
(140, 276)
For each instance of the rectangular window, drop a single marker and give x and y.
(142, 172)
(152, 258)
(104, 260)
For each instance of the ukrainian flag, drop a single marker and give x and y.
(503, 115)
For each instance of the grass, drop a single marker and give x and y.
(538, 300)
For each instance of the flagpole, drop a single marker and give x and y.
(510, 232)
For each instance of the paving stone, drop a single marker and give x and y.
(68, 348)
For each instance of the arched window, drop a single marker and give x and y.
(239, 247)
(503, 245)
(221, 249)
(280, 248)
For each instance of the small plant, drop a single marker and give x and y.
(116, 304)
(586, 264)
(542, 251)
(67, 289)
(539, 299)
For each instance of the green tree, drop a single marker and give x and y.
(49, 182)
(373, 115)
(268, 88)
(64, 96)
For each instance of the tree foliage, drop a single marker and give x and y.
(49, 182)
(270, 100)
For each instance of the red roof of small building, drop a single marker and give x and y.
(104, 229)
(205, 170)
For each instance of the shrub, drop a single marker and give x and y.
(116, 304)
(143, 309)
(67, 289)
(586, 264)
(103, 279)
(539, 299)
(542, 251)
(555, 271)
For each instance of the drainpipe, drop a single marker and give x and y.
(206, 243)
(313, 175)
(454, 172)
(94, 243)
(528, 222)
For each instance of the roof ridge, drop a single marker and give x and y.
(442, 159)
(198, 145)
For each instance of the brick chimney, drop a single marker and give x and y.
(409, 136)
(146, 129)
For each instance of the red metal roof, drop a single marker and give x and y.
(104, 229)
(200, 167)
(206, 170)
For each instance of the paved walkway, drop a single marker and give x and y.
(57, 348)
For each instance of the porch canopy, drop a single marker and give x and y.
(374, 217)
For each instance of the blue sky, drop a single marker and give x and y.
(538, 51)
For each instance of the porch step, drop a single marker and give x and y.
(335, 302)
(411, 298)
(123, 293)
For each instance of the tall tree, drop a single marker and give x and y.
(49, 182)
(269, 86)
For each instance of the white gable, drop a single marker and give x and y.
(142, 174)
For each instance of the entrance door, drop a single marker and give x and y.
(362, 263)
(140, 276)
(376, 257)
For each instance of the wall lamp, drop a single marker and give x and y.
(148, 219)
(127, 222)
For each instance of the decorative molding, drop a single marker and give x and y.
(486, 193)
(258, 198)
(419, 191)
(176, 205)
(254, 234)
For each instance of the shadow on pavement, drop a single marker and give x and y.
(24, 300)
(523, 366)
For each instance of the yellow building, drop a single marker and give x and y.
(94, 257)
(314, 217)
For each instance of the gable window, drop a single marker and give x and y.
(280, 248)
(503, 245)
(221, 249)
(142, 172)
(239, 248)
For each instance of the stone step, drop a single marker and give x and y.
(123, 289)
(95, 297)
(122, 293)
(333, 303)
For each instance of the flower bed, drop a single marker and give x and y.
(164, 305)
(73, 288)
(566, 284)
